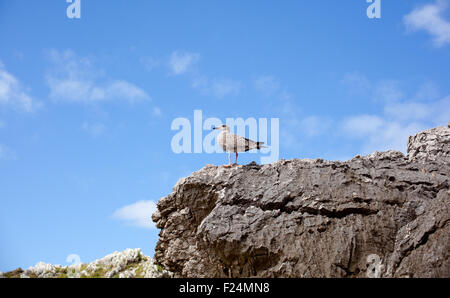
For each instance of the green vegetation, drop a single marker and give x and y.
(139, 271)
(128, 265)
(99, 273)
(14, 274)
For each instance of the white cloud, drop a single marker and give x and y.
(430, 18)
(290, 129)
(95, 129)
(378, 133)
(13, 94)
(200, 82)
(157, 112)
(290, 138)
(223, 87)
(399, 121)
(294, 127)
(267, 85)
(436, 112)
(408, 110)
(358, 84)
(138, 214)
(388, 91)
(217, 87)
(381, 134)
(119, 89)
(403, 114)
(428, 91)
(314, 125)
(180, 62)
(75, 79)
(362, 125)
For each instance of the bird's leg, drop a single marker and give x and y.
(229, 161)
(236, 158)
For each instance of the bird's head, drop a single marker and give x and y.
(222, 128)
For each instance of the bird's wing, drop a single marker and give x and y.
(237, 143)
(253, 142)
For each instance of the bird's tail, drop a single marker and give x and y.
(259, 145)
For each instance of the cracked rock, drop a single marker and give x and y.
(313, 218)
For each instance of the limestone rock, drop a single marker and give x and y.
(130, 263)
(430, 145)
(383, 215)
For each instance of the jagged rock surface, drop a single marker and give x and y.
(314, 218)
(433, 144)
(131, 263)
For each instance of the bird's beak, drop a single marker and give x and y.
(214, 128)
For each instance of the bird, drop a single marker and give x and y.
(234, 143)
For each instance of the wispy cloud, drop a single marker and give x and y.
(180, 62)
(296, 128)
(13, 94)
(217, 87)
(388, 91)
(403, 115)
(357, 84)
(183, 62)
(157, 112)
(362, 125)
(435, 112)
(94, 129)
(379, 133)
(223, 87)
(296, 125)
(315, 125)
(428, 91)
(430, 18)
(75, 79)
(138, 214)
(267, 85)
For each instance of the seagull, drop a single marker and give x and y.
(234, 143)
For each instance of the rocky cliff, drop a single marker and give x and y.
(384, 215)
(129, 263)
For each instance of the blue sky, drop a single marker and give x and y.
(86, 105)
